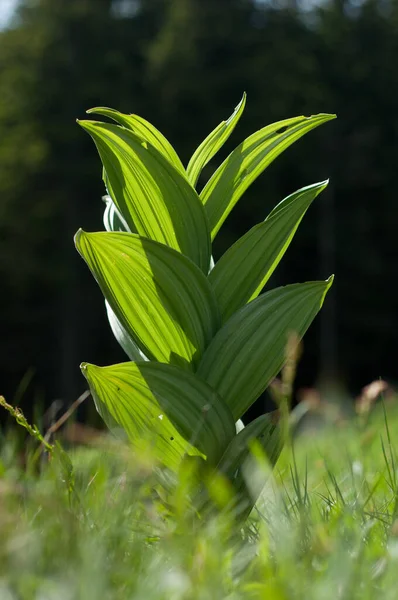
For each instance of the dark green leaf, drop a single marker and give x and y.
(250, 349)
(244, 269)
(239, 461)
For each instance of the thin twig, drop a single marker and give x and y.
(66, 415)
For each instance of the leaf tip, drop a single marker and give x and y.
(84, 369)
(322, 185)
(317, 187)
(78, 236)
(238, 109)
(329, 281)
(327, 285)
(322, 117)
(87, 369)
(86, 125)
(100, 110)
(82, 241)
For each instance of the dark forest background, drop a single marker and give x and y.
(184, 64)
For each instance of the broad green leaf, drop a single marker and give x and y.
(250, 349)
(248, 161)
(153, 197)
(144, 130)
(113, 220)
(212, 144)
(161, 298)
(125, 340)
(239, 460)
(244, 269)
(171, 407)
(266, 430)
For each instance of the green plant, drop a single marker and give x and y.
(203, 344)
(33, 431)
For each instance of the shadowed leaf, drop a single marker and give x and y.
(250, 349)
(244, 269)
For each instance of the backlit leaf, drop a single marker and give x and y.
(145, 130)
(248, 161)
(161, 299)
(212, 144)
(170, 407)
(152, 196)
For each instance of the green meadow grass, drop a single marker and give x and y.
(103, 526)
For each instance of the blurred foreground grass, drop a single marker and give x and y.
(102, 526)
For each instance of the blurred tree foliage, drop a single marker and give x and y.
(184, 64)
